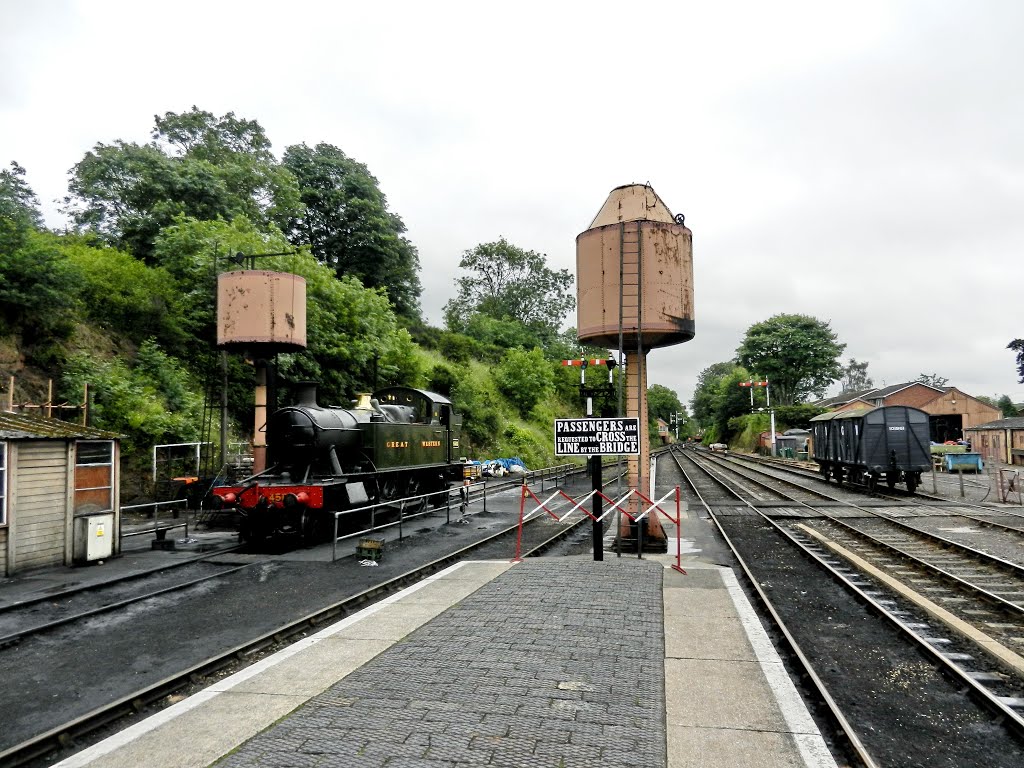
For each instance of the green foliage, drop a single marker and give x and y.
(746, 430)
(19, 209)
(477, 399)
(932, 380)
(507, 284)
(525, 378)
(527, 443)
(796, 416)
(1006, 406)
(459, 347)
(198, 166)
(855, 376)
(153, 400)
(662, 402)
(37, 288)
(704, 403)
(346, 222)
(796, 353)
(731, 400)
(1017, 345)
(122, 294)
(497, 334)
(37, 285)
(442, 380)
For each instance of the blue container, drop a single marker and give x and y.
(963, 462)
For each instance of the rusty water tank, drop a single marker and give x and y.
(257, 309)
(634, 249)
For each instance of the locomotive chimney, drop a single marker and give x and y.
(307, 394)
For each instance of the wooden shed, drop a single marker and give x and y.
(52, 474)
(999, 441)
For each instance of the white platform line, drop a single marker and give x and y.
(806, 734)
(164, 716)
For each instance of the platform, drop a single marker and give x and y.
(548, 662)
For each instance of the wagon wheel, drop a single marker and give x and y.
(872, 481)
(912, 481)
(890, 480)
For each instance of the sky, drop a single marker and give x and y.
(862, 163)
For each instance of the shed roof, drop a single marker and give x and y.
(1014, 422)
(853, 413)
(19, 426)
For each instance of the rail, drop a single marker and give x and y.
(158, 529)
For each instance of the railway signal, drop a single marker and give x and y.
(768, 403)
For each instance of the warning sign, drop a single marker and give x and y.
(597, 437)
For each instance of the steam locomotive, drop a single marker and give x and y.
(400, 442)
(868, 445)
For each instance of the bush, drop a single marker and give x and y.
(525, 378)
(480, 407)
(457, 347)
(442, 380)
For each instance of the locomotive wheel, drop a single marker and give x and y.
(414, 489)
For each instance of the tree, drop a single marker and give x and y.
(37, 285)
(663, 403)
(346, 222)
(199, 166)
(509, 284)
(932, 380)
(855, 376)
(1017, 345)
(731, 401)
(796, 353)
(1005, 404)
(19, 208)
(704, 402)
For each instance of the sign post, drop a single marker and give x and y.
(596, 437)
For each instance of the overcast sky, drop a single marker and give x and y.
(862, 163)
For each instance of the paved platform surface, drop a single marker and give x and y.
(554, 663)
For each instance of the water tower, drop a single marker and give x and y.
(634, 279)
(260, 313)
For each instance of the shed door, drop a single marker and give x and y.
(41, 505)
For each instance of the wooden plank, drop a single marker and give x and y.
(39, 504)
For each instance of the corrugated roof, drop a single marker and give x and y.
(1014, 422)
(844, 397)
(853, 413)
(19, 426)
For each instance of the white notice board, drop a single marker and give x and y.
(597, 437)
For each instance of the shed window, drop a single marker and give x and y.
(94, 476)
(3, 483)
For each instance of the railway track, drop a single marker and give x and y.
(892, 675)
(70, 725)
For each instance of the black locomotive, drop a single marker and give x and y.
(868, 445)
(400, 442)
